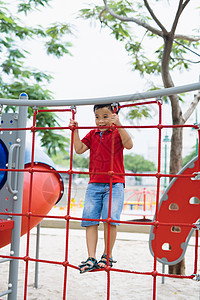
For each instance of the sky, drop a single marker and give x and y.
(99, 65)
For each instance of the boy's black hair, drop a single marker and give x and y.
(108, 105)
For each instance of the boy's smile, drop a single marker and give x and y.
(103, 118)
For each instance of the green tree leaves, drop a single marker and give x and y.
(17, 77)
(138, 112)
(137, 164)
(30, 5)
(79, 161)
(125, 19)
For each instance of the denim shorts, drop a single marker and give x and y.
(97, 202)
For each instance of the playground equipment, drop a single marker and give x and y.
(28, 187)
(139, 202)
(47, 191)
(179, 210)
(65, 261)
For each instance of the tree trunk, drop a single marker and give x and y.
(175, 166)
(177, 132)
(178, 269)
(176, 150)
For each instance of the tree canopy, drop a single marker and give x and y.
(79, 161)
(17, 76)
(138, 164)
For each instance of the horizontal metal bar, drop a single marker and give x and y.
(6, 293)
(103, 100)
(5, 260)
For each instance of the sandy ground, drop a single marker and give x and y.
(131, 252)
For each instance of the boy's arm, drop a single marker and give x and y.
(125, 137)
(79, 146)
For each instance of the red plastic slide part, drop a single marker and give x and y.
(6, 224)
(46, 190)
(180, 206)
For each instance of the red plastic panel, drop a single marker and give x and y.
(180, 206)
(46, 191)
(6, 224)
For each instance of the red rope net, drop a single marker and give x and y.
(156, 222)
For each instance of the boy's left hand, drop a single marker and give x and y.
(115, 120)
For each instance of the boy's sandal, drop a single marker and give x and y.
(90, 263)
(103, 260)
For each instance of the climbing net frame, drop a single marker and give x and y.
(158, 175)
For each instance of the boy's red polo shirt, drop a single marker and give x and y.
(100, 155)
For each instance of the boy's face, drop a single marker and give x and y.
(103, 118)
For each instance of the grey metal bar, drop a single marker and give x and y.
(5, 293)
(163, 271)
(102, 100)
(17, 202)
(37, 255)
(4, 260)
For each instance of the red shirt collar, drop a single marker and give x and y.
(98, 131)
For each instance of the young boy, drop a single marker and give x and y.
(99, 141)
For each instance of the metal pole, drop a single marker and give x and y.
(37, 255)
(103, 100)
(17, 202)
(165, 140)
(165, 179)
(163, 271)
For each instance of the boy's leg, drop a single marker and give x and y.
(92, 210)
(116, 209)
(113, 235)
(91, 241)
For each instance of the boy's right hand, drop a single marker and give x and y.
(79, 146)
(73, 123)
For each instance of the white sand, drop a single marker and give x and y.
(131, 251)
